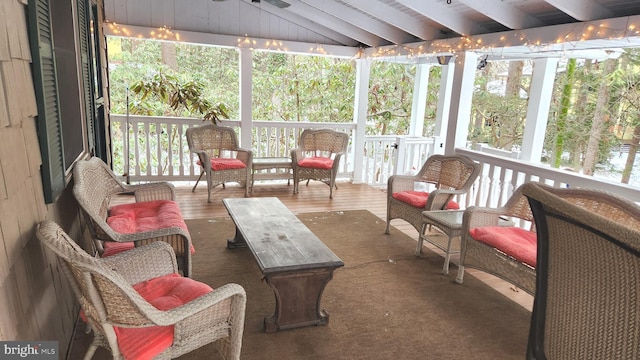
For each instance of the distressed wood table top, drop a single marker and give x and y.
(278, 240)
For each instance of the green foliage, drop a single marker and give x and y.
(183, 98)
(391, 96)
(285, 87)
(625, 83)
(390, 85)
(565, 104)
(497, 119)
(205, 69)
(302, 88)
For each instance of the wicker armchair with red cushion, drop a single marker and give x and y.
(139, 307)
(451, 175)
(588, 274)
(154, 216)
(501, 241)
(317, 157)
(219, 156)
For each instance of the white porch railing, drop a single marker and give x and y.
(157, 148)
(159, 151)
(387, 155)
(500, 176)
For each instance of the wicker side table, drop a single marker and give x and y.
(271, 168)
(450, 223)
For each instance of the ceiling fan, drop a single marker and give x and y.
(279, 3)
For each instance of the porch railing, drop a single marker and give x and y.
(157, 150)
(500, 176)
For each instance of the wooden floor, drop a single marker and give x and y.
(311, 198)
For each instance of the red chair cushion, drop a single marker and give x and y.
(170, 291)
(165, 293)
(316, 162)
(513, 241)
(419, 199)
(218, 164)
(142, 216)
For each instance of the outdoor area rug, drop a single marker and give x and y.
(385, 303)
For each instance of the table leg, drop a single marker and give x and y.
(460, 275)
(421, 238)
(237, 241)
(447, 257)
(297, 297)
(252, 179)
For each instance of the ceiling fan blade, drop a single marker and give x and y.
(279, 3)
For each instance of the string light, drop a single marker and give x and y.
(574, 39)
(161, 33)
(486, 44)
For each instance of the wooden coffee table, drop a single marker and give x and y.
(294, 262)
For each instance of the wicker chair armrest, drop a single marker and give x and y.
(398, 183)
(203, 156)
(296, 155)
(336, 160)
(439, 198)
(150, 235)
(144, 263)
(198, 306)
(476, 216)
(244, 155)
(153, 191)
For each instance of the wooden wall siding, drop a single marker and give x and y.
(206, 17)
(36, 302)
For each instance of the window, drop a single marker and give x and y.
(63, 69)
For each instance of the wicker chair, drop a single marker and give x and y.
(317, 157)
(485, 257)
(117, 298)
(588, 275)
(95, 185)
(218, 146)
(451, 174)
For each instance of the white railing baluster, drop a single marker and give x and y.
(136, 144)
(158, 149)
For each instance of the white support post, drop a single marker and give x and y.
(401, 156)
(461, 96)
(444, 100)
(543, 77)
(419, 103)
(360, 117)
(246, 117)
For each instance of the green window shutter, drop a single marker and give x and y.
(87, 70)
(46, 86)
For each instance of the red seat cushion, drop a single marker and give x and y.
(419, 199)
(142, 216)
(170, 291)
(165, 293)
(513, 241)
(225, 164)
(316, 162)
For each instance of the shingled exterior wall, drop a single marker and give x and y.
(36, 302)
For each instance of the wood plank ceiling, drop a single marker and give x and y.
(443, 26)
